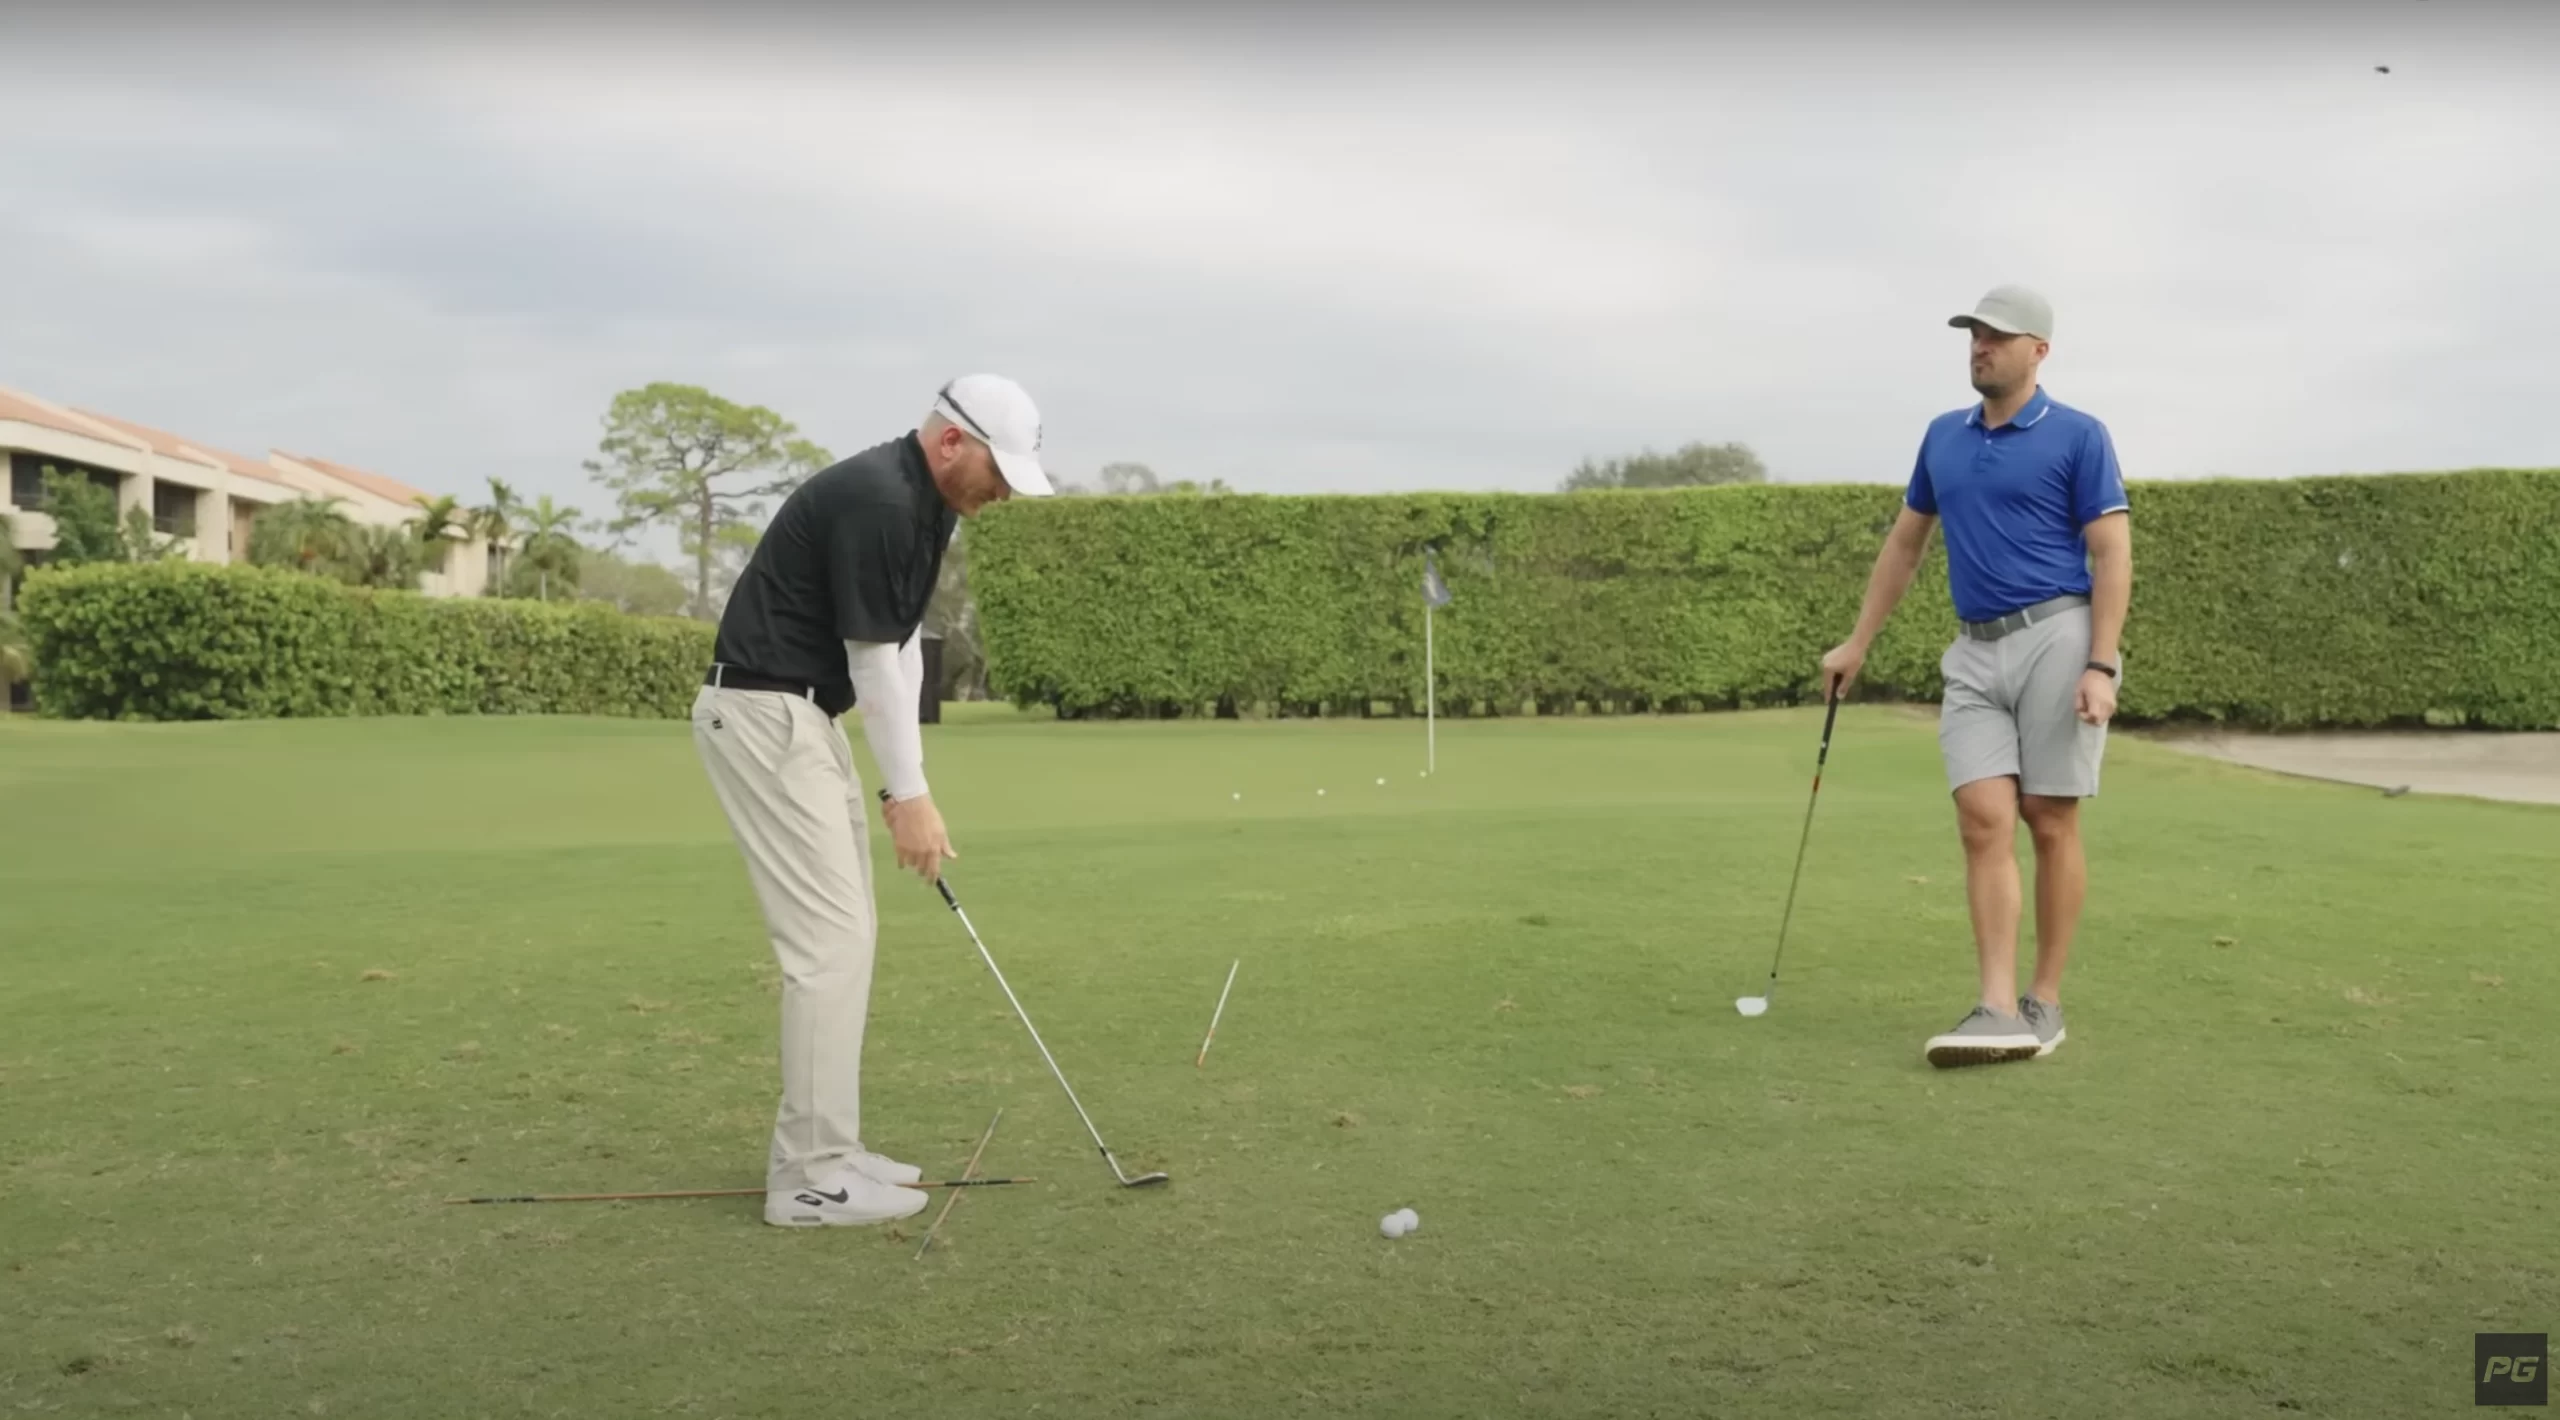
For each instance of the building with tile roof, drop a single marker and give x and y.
(207, 497)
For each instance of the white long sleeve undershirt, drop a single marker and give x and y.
(888, 686)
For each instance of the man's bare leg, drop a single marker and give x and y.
(1987, 817)
(2062, 883)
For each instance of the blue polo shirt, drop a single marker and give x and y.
(2013, 502)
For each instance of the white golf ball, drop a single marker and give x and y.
(1392, 1225)
(1412, 1220)
(1235, 796)
(1382, 783)
(1319, 793)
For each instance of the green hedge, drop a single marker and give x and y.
(2363, 601)
(189, 641)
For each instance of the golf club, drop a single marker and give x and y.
(954, 904)
(1759, 1005)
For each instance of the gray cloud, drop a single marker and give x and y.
(1295, 259)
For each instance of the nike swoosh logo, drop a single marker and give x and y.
(814, 1196)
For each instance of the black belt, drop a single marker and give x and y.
(834, 699)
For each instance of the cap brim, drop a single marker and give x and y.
(1022, 473)
(1969, 320)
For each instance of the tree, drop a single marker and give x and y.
(17, 658)
(637, 588)
(86, 528)
(390, 558)
(1138, 480)
(1692, 465)
(685, 457)
(550, 556)
(306, 535)
(439, 519)
(495, 522)
(953, 616)
(312, 535)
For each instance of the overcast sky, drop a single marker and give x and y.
(1446, 249)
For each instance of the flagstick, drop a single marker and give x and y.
(1214, 1015)
(1430, 697)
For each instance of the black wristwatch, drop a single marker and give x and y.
(2113, 673)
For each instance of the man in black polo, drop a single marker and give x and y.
(824, 619)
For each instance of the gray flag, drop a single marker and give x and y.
(1434, 591)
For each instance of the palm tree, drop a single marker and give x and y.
(548, 547)
(307, 535)
(438, 520)
(494, 521)
(390, 558)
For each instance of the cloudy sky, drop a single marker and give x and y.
(1435, 249)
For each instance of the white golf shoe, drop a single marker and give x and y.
(848, 1198)
(885, 1169)
(879, 1167)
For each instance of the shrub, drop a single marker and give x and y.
(189, 641)
(2363, 601)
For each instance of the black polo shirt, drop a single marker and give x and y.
(852, 555)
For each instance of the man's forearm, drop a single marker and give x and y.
(1896, 565)
(887, 701)
(2110, 593)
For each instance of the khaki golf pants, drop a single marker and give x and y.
(785, 776)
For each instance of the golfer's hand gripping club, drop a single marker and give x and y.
(922, 841)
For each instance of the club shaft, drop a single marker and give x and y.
(1829, 716)
(943, 884)
(1052, 1061)
(1216, 1014)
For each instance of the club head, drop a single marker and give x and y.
(1752, 1005)
(1144, 1179)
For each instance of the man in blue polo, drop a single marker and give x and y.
(2040, 566)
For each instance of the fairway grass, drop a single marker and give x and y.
(273, 992)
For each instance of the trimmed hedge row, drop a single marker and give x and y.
(190, 641)
(2342, 601)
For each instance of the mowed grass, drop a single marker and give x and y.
(275, 991)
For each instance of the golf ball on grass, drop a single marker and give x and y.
(1400, 1222)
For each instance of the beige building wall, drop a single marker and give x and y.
(209, 498)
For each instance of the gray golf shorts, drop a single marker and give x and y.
(2010, 708)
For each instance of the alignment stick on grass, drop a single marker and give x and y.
(1214, 1015)
(968, 1170)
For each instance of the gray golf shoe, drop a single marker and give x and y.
(2044, 1020)
(1984, 1037)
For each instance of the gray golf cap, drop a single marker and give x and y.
(2011, 310)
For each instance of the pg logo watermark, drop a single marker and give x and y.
(2511, 1368)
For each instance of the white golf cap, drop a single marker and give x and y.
(996, 412)
(2011, 310)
